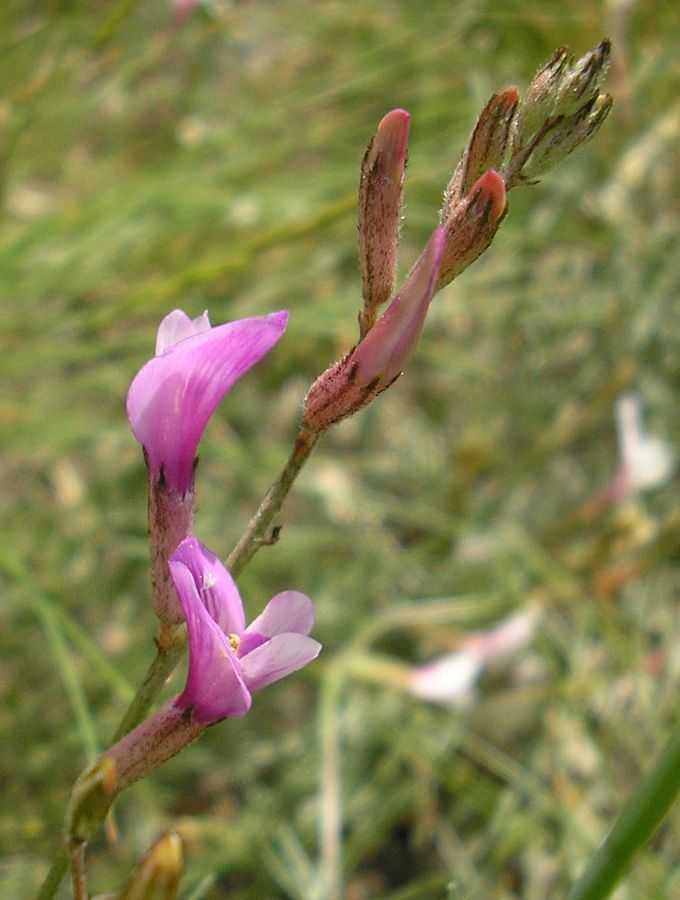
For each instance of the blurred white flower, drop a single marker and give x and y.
(451, 678)
(448, 680)
(645, 460)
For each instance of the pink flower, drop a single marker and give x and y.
(172, 397)
(227, 661)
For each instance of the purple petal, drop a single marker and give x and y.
(177, 326)
(285, 653)
(286, 612)
(249, 641)
(215, 688)
(172, 397)
(213, 583)
(389, 345)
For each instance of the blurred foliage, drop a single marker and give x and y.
(149, 163)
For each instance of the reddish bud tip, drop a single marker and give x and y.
(490, 189)
(472, 224)
(391, 143)
(510, 97)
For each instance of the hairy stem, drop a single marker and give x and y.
(258, 534)
(167, 656)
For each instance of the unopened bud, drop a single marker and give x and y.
(567, 136)
(471, 226)
(486, 148)
(378, 360)
(561, 110)
(157, 875)
(539, 102)
(380, 200)
(91, 798)
(581, 83)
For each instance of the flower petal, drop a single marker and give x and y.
(215, 687)
(379, 358)
(269, 662)
(214, 585)
(249, 640)
(172, 397)
(177, 326)
(287, 611)
(387, 348)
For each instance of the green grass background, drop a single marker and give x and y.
(146, 166)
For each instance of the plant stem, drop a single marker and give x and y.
(163, 664)
(638, 819)
(256, 535)
(76, 855)
(53, 878)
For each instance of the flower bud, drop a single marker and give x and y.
(540, 99)
(471, 225)
(562, 110)
(581, 83)
(91, 799)
(567, 136)
(378, 360)
(486, 147)
(158, 873)
(380, 200)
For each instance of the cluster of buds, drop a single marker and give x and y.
(513, 141)
(563, 108)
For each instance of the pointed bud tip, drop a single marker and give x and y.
(604, 48)
(510, 95)
(157, 875)
(91, 797)
(391, 143)
(490, 188)
(167, 853)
